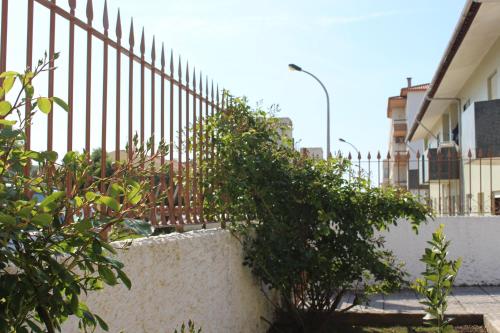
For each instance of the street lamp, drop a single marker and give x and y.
(350, 144)
(294, 67)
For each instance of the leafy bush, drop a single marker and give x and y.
(190, 328)
(309, 230)
(438, 278)
(54, 221)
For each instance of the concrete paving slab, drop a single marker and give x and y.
(403, 302)
(476, 300)
(463, 300)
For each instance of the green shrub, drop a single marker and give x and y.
(54, 221)
(190, 328)
(438, 278)
(308, 229)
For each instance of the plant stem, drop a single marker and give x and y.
(44, 316)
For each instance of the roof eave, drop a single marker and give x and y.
(466, 18)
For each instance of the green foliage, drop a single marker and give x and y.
(96, 158)
(438, 278)
(309, 230)
(54, 222)
(190, 328)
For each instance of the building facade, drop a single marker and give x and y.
(459, 118)
(401, 163)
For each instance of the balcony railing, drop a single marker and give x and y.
(451, 182)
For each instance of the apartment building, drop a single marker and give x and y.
(459, 118)
(285, 131)
(401, 165)
(313, 152)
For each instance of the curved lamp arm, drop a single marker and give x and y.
(328, 152)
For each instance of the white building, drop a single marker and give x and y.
(401, 167)
(461, 113)
(313, 152)
(285, 131)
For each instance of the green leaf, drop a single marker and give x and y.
(42, 220)
(96, 246)
(6, 122)
(102, 323)
(61, 103)
(50, 156)
(8, 83)
(52, 198)
(115, 190)
(134, 192)
(83, 225)
(90, 196)
(124, 278)
(7, 219)
(44, 104)
(108, 247)
(139, 227)
(107, 275)
(74, 304)
(78, 202)
(110, 202)
(30, 91)
(7, 74)
(5, 108)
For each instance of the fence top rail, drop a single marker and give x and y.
(119, 47)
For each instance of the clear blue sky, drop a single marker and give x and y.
(361, 49)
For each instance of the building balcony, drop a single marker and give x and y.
(442, 164)
(399, 129)
(481, 123)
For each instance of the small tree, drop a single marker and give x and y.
(309, 231)
(438, 278)
(54, 220)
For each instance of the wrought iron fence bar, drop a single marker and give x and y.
(114, 44)
(104, 118)
(187, 188)
(118, 31)
(29, 64)
(180, 187)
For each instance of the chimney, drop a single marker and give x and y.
(409, 81)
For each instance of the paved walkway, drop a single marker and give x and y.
(464, 300)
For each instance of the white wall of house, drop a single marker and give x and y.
(482, 184)
(468, 131)
(475, 239)
(196, 275)
(482, 85)
(475, 88)
(413, 104)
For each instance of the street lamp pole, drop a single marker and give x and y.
(294, 67)
(350, 144)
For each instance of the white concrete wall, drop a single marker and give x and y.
(195, 275)
(475, 239)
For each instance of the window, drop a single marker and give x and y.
(399, 139)
(493, 86)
